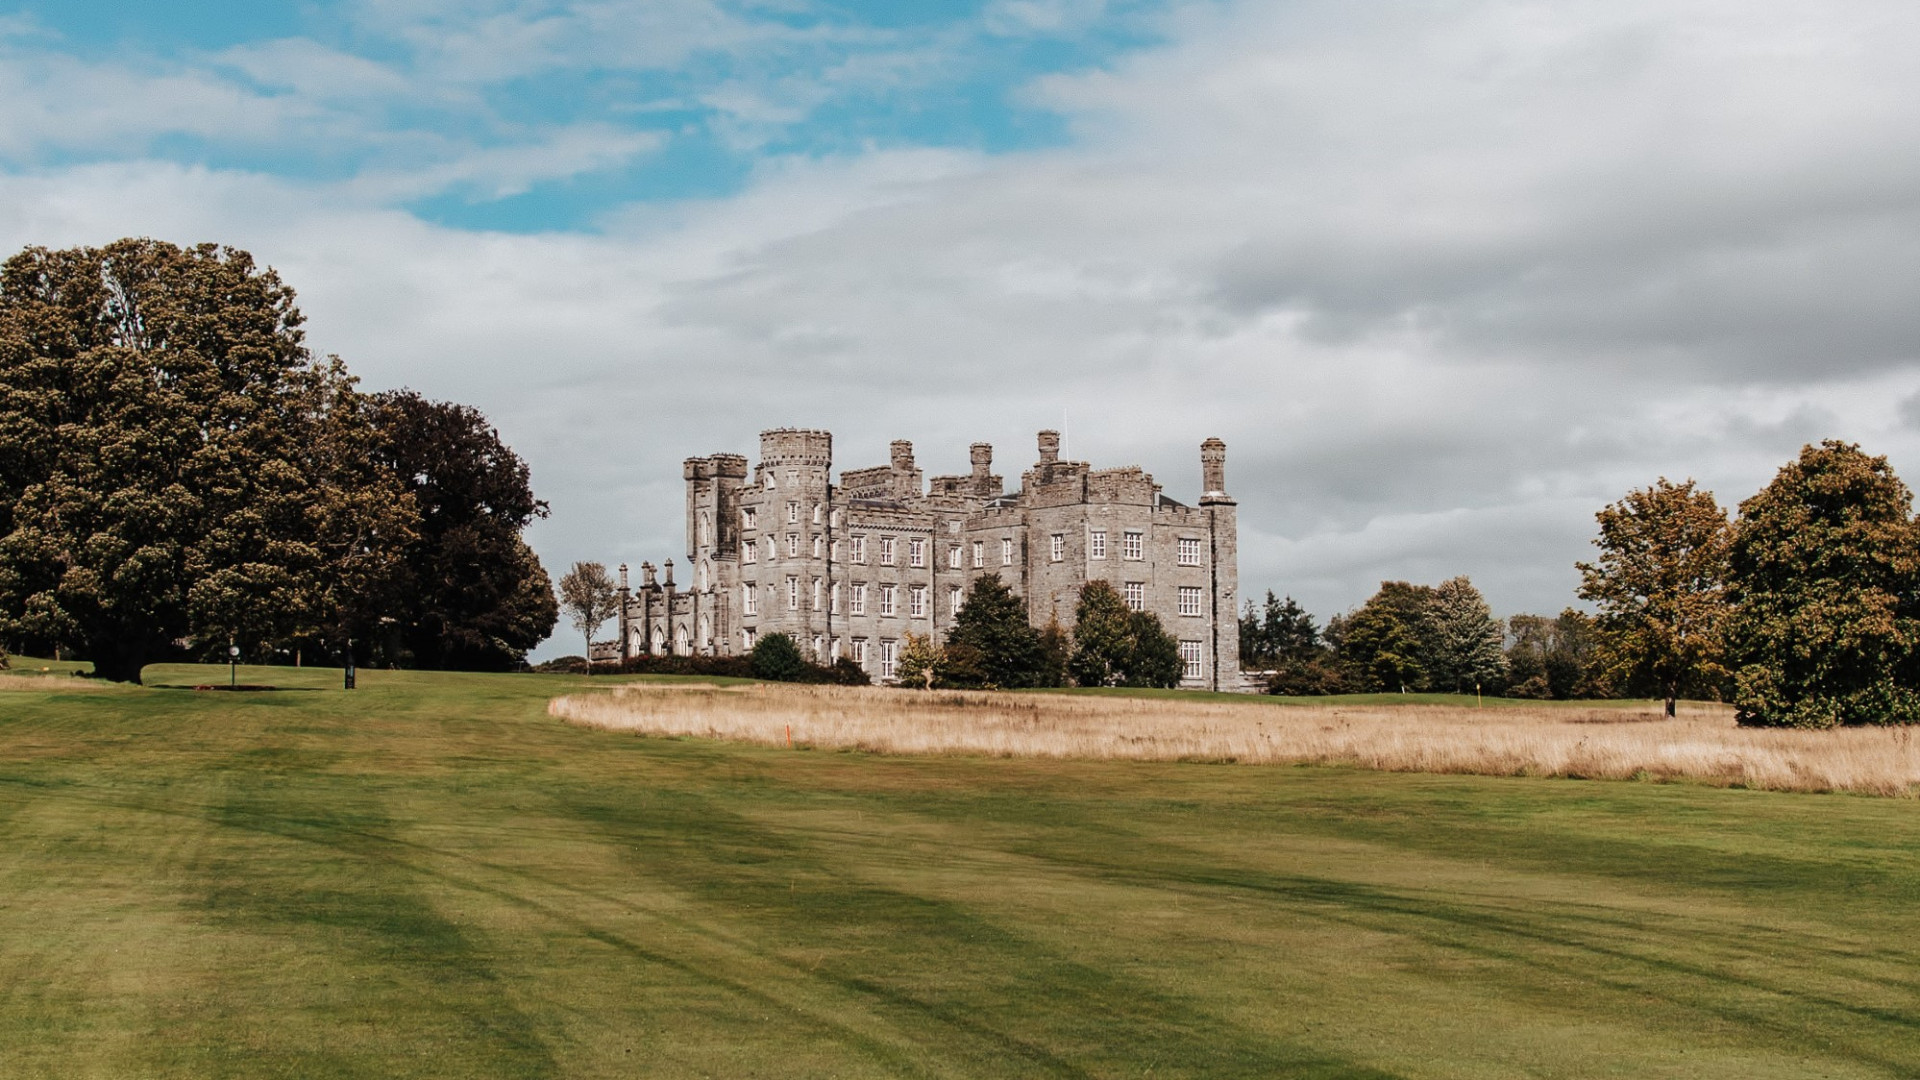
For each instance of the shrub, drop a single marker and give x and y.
(776, 658)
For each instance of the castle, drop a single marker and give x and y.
(850, 569)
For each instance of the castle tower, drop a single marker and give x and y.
(1224, 534)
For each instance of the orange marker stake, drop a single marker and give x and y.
(789, 736)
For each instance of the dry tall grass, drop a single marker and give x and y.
(1612, 743)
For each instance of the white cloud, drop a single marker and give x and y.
(1446, 277)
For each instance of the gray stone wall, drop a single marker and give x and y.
(779, 548)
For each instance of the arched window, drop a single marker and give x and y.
(706, 633)
(706, 529)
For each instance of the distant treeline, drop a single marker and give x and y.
(1804, 611)
(1423, 639)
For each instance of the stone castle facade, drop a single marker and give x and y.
(849, 569)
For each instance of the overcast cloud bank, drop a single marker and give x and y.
(1446, 277)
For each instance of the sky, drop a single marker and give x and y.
(1447, 276)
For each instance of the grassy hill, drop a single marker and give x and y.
(430, 877)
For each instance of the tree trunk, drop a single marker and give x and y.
(119, 661)
(589, 652)
(1670, 701)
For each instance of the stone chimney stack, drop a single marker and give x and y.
(902, 455)
(1049, 447)
(667, 569)
(646, 575)
(623, 577)
(982, 457)
(1213, 468)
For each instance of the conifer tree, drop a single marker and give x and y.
(1470, 644)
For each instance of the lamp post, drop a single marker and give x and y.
(233, 667)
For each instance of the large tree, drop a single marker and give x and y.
(1469, 643)
(475, 596)
(999, 646)
(1826, 583)
(1389, 643)
(1660, 585)
(1114, 645)
(175, 467)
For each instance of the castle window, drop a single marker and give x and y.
(1136, 593)
(1097, 544)
(1059, 546)
(768, 477)
(748, 637)
(793, 513)
(750, 599)
(833, 519)
(886, 599)
(956, 598)
(706, 633)
(979, 554)
(1133, 545)
(819, 647)
(819, 546)
(860, 598)
(750, 554)
(793, 594)
(889, 658)
(1192, 660)
(773, 549)
(817, 511)
(1006, 551)
(816, 594)
(793, 544)
(833, 599)
(860, 651)
(706, 576)
(859, 549)
(706, 528)
(886, 551)
(793, 476)
(748, 516)
(1190, 599)
(1189, 551)
(953, 557)
(916, 552)
(917, 601)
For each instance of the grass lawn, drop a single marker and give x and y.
(430, 877)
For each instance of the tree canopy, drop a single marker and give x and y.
(175, 468)
(473, 595)
(992, 640)
(178, 472)
(1116, 646)
(1826, 586)
(1660, 585)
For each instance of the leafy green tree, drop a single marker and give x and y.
(1154, 659)
(174, 464)
(1555, 657)
(1116, 646)
(475, 597)
(589, 597)
(1470, 644)
(1006, 650)
(776, 657)
(1826, 587)
(920, 661)
(1660, 584)
(1388, 644)
(1102, 637)
(1056, 648)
